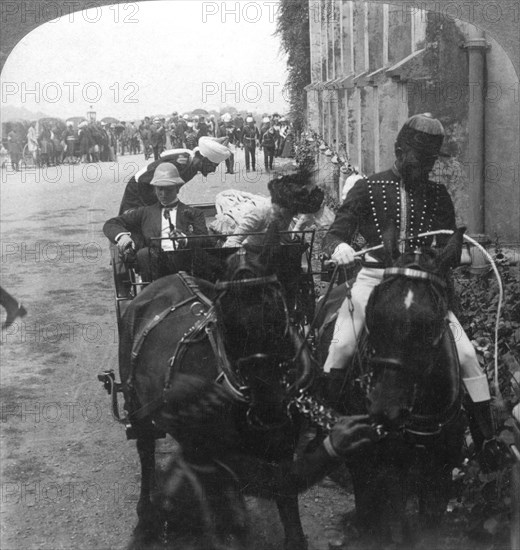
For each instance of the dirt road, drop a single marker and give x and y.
(69, 478)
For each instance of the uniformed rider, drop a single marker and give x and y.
(406, 195)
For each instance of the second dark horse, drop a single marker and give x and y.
(406, 376)
(216, 367)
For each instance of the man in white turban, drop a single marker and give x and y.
(204, 159)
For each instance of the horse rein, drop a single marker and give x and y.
(414, 272)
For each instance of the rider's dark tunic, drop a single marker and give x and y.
(375, 201)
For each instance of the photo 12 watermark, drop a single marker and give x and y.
(40, 332)
(244, 92)
(93, 172)
(70, 11)
(52, 493)
(52, 412)
(239, 12)
(71, 92)
(50, 252)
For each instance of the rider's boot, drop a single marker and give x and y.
(490, 451)
(480, 421)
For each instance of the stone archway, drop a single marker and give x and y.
(499, 18)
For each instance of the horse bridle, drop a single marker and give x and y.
(228, 375)
(412, 271)
(437, 422)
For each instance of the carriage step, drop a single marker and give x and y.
(133, 433)
(108, 379)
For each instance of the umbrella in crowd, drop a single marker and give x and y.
(110, 120)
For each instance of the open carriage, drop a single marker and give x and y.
(298, 250)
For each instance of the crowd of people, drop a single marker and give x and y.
(54, 143)
(273, 135)
(50, 143)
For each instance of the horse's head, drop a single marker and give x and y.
(258, 338)
(406, 319)
(252, 309)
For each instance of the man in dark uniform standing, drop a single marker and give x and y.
(250, 137)
(157, 137)
(204, 159)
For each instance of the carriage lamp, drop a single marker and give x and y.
(91, 115)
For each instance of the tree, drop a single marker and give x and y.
(293, 29)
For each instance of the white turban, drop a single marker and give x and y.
(213, 150)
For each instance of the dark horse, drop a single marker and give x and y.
(406, 377)
(217, 367)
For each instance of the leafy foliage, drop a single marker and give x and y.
(484, 499)
(293, 29)
(478, 302)
(306, 150)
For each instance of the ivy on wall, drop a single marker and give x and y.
(293, 29)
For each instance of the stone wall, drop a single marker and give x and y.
(380, 65)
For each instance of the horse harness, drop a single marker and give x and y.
(418, 427)
(205, 328)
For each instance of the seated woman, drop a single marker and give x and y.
(291, 194)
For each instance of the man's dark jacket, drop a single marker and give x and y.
(145, 223)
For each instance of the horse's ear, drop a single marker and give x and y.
(391, 249)
(450, 255)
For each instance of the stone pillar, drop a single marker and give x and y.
(476, 46)
(315, 39)
(347, 38)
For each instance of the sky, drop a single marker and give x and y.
(135, 59)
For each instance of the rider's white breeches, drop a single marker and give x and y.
(350, 321)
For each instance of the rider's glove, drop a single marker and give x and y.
(124, 242)
(349, 435)
(343, 254)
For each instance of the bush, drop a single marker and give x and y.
(477, 309)
(484, 499)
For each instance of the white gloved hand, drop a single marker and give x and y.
(124, 242)
(343, 254)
